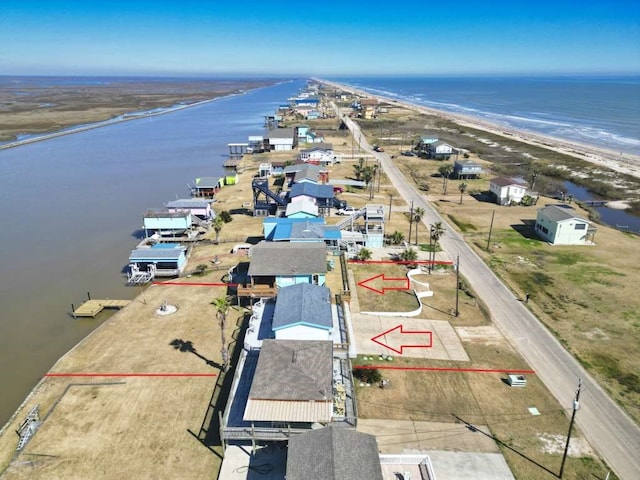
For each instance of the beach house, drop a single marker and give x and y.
(303, 312)
(166, 222)
(559, 225)
(320, 195)
(440, 150)
(206, 187)
(292, 383)
(163, 259)
(281, 264)
(463, 169)
(282, 139)
(335, 453)
(198, 207)
(321, 154)
(506, 191)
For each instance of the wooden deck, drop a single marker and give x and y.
(91, 308)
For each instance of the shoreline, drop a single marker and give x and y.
(106, 123)
(627, 163)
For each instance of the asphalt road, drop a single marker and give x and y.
(609, 430)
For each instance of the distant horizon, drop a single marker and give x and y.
(195, 38)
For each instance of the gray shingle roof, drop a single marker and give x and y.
(303, 303)
(505, 182)
(277, 258)
(333, 453)
(311, 190)
(189, 203)
(558, 213)
(294, 370)
(281, 133)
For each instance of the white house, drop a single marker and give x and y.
(319, 155)
(507, 190)
(559, 225)
(282, 139)
(440, 149)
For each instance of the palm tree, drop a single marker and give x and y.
(222, 305)
(409, 255)
(418, 214)
(358, 168)
(463, 188)
(368, 174)
(217, 225)
(397, 237)
(445, 172)
(435, 232)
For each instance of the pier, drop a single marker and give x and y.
(91, 308)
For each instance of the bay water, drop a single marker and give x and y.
(71, 208)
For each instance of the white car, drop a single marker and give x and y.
(346, 211)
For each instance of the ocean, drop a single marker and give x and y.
(601, 111)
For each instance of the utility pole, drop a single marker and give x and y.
(457, 284)
(431, 248)
(410, 221)
(576, 405)
(390, 201)
(490, 230)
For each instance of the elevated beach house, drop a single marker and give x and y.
(162, 259)
(321, 195)
(282, 139)
(440, 150)
(559, 225)
(303, 312)
(321, 154)
(463, 169)
(166, 222)
(198, 207)
(279, 264)
(206, 187)
(335, 453)
(292, 384)
(506, 191)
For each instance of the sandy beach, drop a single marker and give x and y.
(623, 163)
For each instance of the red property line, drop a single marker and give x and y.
(130, 375)
(442, 369)
(400, 262)
(195, 284)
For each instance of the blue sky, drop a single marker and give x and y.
(318, 38)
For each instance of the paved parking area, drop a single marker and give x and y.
(445, 343)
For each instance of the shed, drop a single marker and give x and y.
(559, 225)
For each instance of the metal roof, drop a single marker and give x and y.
(505, 182)
(333, 453)
(157, 213)
(311, 190)
(303, 304)
(189, 203)
(283, 226)
(163, 254)
(278, 258)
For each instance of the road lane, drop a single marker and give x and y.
(606, 426)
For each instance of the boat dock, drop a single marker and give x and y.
(91, 308)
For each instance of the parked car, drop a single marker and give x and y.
(346, 211)
(378, 148)
(339, 204)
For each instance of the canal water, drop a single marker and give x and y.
(619, 219)
(70, 210)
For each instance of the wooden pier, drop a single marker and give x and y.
(91, 308)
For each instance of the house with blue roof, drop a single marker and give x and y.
(322, 195)
(303, 312)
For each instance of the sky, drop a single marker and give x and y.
(282, 37)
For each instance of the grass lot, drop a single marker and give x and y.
(584, 294)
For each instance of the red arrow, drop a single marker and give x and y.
(405, 281)
(403, 331)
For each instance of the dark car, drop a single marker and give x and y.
(408, 153)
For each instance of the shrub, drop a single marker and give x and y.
(367, 375)
(225, 216)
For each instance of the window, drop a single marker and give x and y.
(581, 226)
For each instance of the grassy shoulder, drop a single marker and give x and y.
(584, 294)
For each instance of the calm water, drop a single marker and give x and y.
(71, 205)
(603, 111)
